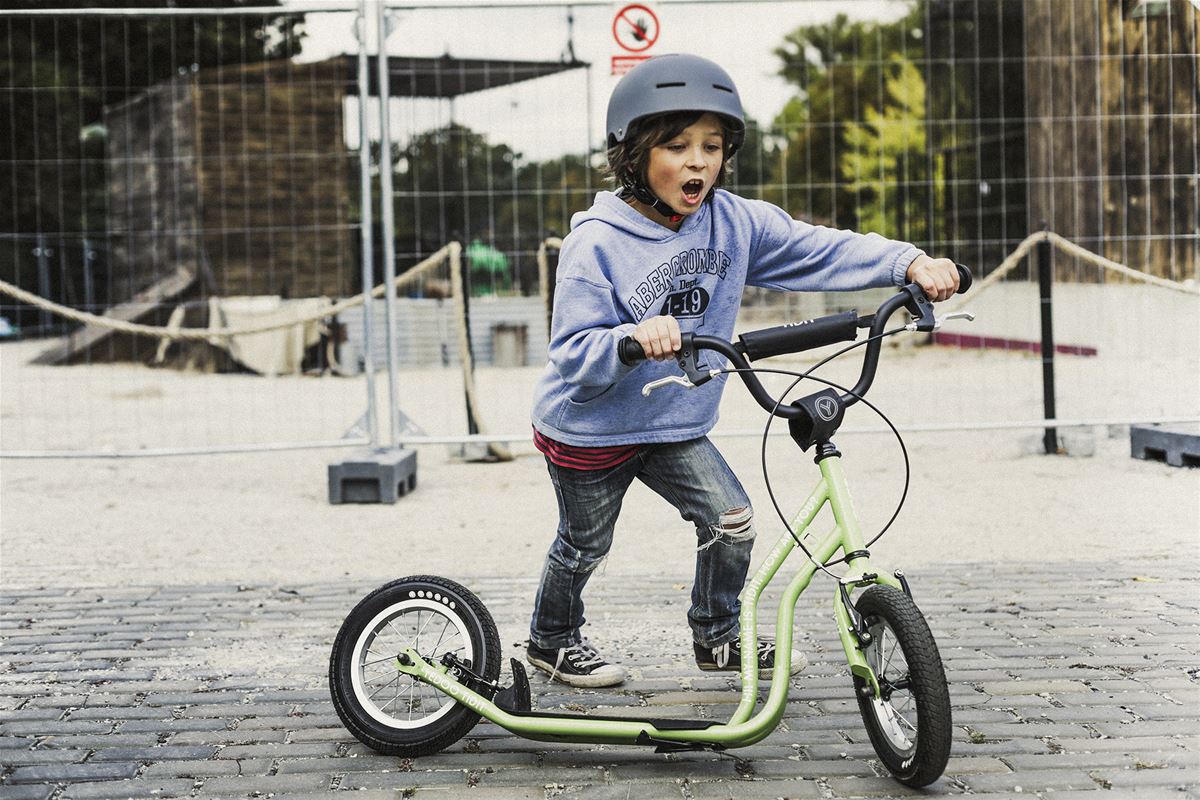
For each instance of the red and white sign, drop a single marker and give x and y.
(635, 29)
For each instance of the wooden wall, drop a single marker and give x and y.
(1112, 130)
(240, 173)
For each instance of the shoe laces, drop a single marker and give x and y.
(722, 653)
(580, 655)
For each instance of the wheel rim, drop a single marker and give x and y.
(429, 623)
(896, 709)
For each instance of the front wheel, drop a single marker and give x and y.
(909, 723)
(386, 709)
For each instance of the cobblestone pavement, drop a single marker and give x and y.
(1065, 678)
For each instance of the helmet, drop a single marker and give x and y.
(676, 82)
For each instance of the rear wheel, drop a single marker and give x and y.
(386, 709)
(909, 722)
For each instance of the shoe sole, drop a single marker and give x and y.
(578, 681)
(797, 668)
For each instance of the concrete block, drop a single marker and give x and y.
(1178, 445)
(373, 476)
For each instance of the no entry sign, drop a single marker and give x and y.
(635, 29)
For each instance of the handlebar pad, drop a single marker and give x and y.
(964, 279)
(797, 336)
(630, 352)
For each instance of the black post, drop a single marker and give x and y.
(1045, 278)
(465, 264)
(42, 252)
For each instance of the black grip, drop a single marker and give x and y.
(630, 352)
(797, 336)
(964, 279)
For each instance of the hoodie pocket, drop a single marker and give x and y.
(581, 409)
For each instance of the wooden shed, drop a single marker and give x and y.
(236, 180)
(1112, 110)
(240, 176)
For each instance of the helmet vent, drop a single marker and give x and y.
(722, 88)
(670, 85)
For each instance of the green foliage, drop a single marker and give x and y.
(852, 137)
(886, 153)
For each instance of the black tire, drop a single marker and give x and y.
(433, 616)
(910, 724)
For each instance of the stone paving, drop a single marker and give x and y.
(1065, 678)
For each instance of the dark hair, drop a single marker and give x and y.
(629, 159)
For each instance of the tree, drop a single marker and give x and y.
(884, 159)
(842, 71)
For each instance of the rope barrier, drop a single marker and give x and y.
(172, 332)
(1014, 258)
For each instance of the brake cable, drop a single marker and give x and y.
(799, 376)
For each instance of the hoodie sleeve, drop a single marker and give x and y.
(583, 339)
(788, 254)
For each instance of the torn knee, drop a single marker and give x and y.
(733, 527)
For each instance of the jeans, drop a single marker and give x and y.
(693, 477)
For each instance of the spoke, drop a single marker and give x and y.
(381, 688)
(388, 676)
(442, 635)
(395, 630)
(379, 660)
(411, 688)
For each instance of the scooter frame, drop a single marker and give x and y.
(745, 727)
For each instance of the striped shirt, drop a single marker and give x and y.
(583, 458)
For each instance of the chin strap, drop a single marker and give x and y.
(642, 192)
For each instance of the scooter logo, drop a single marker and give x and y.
(827, 408)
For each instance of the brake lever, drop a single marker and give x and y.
(661, 382)
(921, 325)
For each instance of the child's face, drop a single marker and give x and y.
(683, 169)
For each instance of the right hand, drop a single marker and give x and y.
(659, 337)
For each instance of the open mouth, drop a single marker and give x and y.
(693, 191)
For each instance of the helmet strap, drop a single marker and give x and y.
(642, 192)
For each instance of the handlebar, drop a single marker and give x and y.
(797, 337)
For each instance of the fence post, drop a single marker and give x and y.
(367, 223)
(386, 213)
(1045, 258)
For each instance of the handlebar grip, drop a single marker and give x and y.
(965, 279)
(798, 336)
(629, 351)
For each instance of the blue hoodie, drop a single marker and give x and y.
(617, 268)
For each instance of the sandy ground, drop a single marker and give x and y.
(981, 496)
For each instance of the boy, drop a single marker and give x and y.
(669, 251)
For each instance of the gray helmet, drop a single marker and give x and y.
(676, 82)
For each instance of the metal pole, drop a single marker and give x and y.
(367, 223)
(388, 221)
(43, 253)
(1045, 257)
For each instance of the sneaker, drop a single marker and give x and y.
(578, 665)
(728, 658)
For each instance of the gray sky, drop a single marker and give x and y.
(546, 117)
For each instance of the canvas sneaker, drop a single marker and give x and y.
(578, 665)
(728, 658)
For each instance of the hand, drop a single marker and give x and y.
(937, 277)
(659, 337)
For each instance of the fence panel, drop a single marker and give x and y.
(162, 166)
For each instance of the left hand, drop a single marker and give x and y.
(937, 277)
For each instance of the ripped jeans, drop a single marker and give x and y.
(693, 477)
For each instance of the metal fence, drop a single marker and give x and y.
(161, 166)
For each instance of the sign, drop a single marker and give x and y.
(635, 29)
